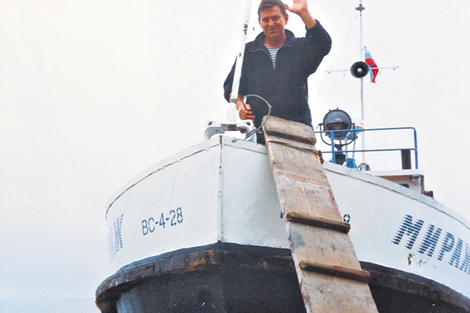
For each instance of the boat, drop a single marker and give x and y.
(204, 231)
(198, 232)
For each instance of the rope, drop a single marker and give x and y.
(316, 152)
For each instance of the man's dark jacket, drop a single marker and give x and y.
(284, 87)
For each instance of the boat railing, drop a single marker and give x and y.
(349, 136)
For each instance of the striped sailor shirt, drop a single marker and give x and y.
(273, 53)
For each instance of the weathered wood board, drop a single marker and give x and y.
(329, 273)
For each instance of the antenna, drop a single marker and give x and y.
(360, 69)
(361, 8)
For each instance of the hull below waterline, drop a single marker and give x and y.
(232, 278)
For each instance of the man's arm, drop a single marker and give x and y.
(317, 42)
(300, 8)
(244, 109)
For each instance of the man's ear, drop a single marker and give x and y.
(286, 17)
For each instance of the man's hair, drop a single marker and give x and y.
(268, 4)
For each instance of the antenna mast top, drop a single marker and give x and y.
(360, 8)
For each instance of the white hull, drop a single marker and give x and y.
(222, 190)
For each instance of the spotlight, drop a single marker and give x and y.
(337, 125)
(337, 120)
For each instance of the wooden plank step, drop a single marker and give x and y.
(295, 217)
(337, 271)
(329, 273)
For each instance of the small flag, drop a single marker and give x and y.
(373, 68)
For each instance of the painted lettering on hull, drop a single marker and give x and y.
(162, 221)
(115, 241)
(436, 243)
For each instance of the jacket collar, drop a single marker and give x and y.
(258, 43)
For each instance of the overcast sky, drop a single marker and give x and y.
(92, 92)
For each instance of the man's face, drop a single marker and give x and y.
(272, 22)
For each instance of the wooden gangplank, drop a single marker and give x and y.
(329, 273)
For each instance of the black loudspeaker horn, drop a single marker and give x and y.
(359, 69)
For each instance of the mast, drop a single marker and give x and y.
(361, 8)
(232, 109)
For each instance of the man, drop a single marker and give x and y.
(276, 65)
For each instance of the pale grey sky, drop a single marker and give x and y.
(93, 92)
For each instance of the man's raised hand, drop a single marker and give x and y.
(300, 8)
